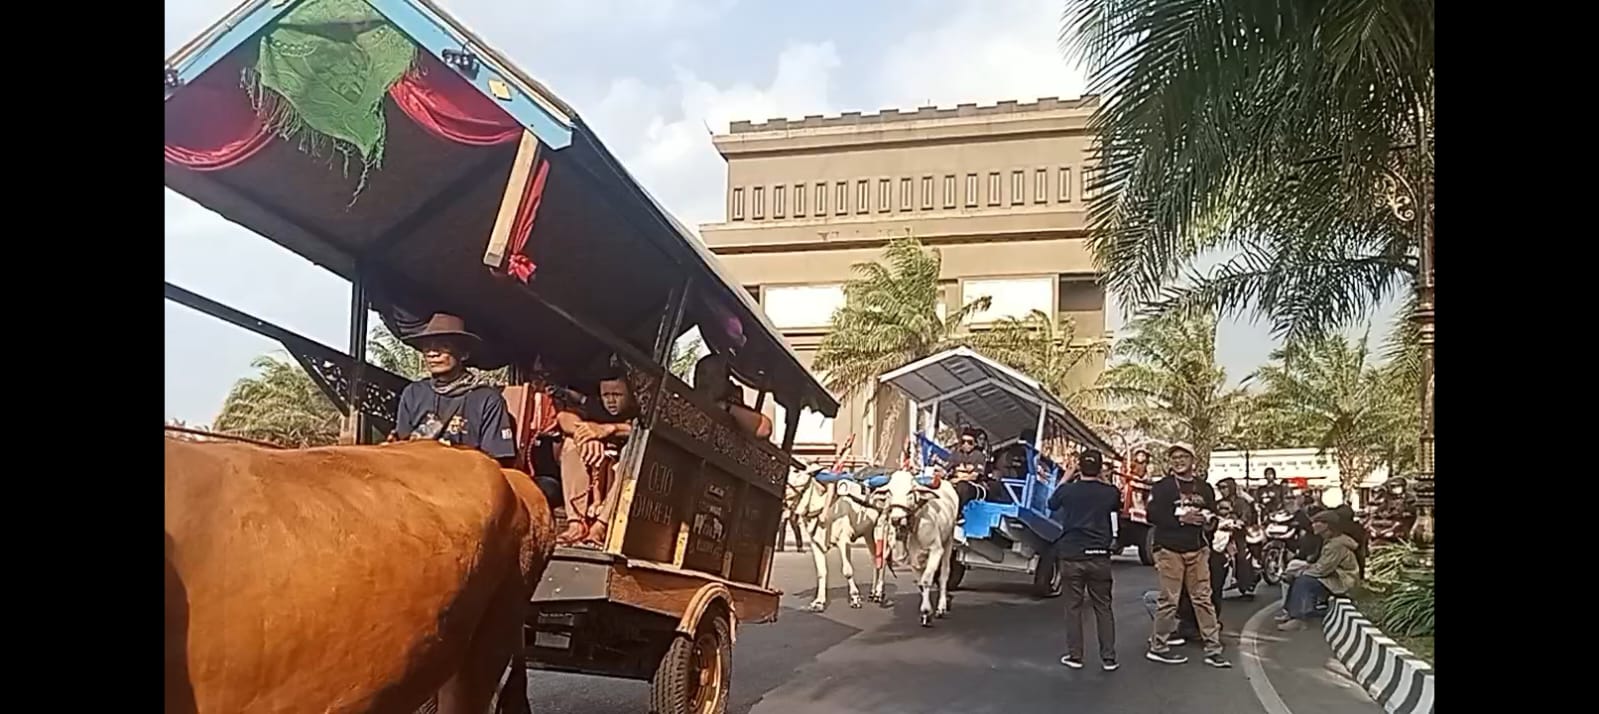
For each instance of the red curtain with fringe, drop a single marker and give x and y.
(212, 125)
(449, 107)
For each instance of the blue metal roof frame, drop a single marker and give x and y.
(976, 390)
(559, 127)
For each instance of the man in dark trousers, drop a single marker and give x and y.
(1179, 507)
(1086, 508)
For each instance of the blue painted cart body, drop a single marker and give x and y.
(1013, 531)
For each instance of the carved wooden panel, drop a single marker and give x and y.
(763, 468)
(711, 520)
(655, 514)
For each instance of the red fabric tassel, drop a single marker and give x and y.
(519, 265)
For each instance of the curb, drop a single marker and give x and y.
(1394, 677)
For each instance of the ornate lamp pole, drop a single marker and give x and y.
(1402, 197)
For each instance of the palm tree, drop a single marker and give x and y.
(1167, 383)
(280, 405)
(684, 357)
(1297, 134)
(1043, 348)
(890, 318)
(1328, 392)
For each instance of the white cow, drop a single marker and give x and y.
(918, 521)
(833, 514)
(798, 482)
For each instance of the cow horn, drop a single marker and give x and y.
(877, 482)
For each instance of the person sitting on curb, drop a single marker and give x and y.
(1334, 573)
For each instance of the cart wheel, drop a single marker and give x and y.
(956, 571)
(1046, 576)
(1146, 547)
(695, 674)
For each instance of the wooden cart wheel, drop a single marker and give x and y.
(695, 674)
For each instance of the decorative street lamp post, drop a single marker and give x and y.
(1403, 198)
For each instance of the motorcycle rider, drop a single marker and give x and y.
(1395, 514)
(1270, 496)
(1246, 572)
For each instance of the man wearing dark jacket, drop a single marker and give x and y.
(1178, 509)
(1087, 508)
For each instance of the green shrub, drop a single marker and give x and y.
(1407, 608)
(1386, 566)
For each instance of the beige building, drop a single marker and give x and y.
(998, 190)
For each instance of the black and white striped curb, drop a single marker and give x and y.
(1394, 677)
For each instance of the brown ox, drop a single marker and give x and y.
(346, 579)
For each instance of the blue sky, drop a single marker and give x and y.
(652, 77)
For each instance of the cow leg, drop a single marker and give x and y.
(799, 536)
(943, 583)
(819, 554)
(496, 641)
(925, 584)
(848, 569)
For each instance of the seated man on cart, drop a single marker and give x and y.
(713, 378)
(595, 431)
(452, 405)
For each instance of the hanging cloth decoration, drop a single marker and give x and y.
(323, 71)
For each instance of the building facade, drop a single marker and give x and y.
(997, 190)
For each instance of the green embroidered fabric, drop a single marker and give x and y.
(329, 63)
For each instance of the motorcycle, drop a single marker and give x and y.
(1281, 537)
(1226, 542)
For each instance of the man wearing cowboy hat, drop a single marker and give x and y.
(1178, 510)
(451, 404)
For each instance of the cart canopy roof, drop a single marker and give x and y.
(418, 221)
(972, 389)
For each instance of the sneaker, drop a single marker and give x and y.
(1165, 657)
(1176, 641)
(1109, 665)
(1291, 626)
(1072, 662)
(1217, 661)
(1281, 616)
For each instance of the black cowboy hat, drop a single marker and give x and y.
(443, 324)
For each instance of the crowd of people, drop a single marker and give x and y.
(1185, 513)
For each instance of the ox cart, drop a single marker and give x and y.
(1012, 529)
(493, 201)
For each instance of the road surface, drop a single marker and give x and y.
(996, 652)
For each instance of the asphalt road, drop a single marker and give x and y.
(996, 652)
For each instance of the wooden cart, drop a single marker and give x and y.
(493, 201)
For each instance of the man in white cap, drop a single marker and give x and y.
(1178, 509)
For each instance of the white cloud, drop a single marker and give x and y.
(981, 52)
(663, 134)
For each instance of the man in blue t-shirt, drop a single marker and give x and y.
(1087, 508)
(451, 404)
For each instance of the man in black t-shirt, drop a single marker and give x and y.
(1179, 507)
(595, 430)
(1087, 509)
(452, 405)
